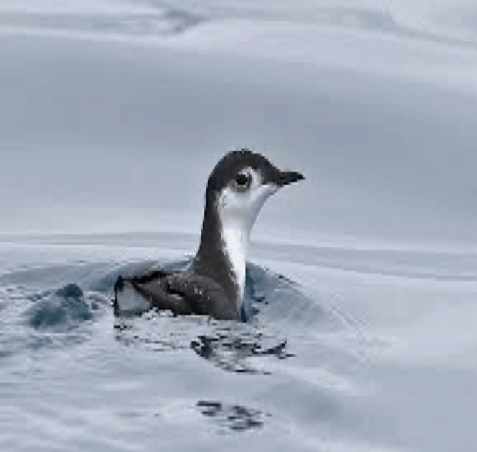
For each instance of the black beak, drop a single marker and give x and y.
(288, 177)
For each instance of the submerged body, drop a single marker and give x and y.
(214, 282)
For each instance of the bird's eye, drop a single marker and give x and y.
(242, 180)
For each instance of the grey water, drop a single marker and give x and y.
(362, 280)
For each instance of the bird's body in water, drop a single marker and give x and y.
(214, 282)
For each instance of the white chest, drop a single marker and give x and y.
(236, 249)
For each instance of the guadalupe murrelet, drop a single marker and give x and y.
(213, 284)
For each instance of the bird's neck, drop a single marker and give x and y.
(222, 252)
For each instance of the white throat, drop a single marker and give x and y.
(235, 238)
(237, 214)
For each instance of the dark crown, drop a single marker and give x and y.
(235, 161)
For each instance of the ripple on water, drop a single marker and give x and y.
(159, 369)
(270, 300)
(158, 22)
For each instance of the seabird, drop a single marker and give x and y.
(213, 284)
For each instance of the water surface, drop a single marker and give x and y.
(361, 284)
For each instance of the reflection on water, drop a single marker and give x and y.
(231, 353)
(233, 417)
